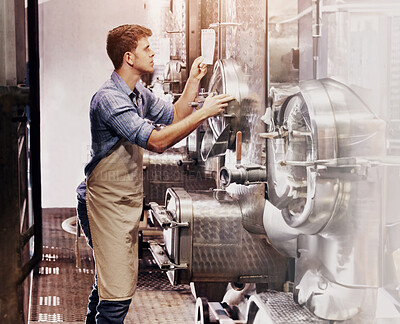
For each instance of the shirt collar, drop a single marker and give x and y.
(121, 84)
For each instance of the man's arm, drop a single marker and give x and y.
(160, 140)
(197, 71)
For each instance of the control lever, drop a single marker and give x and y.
(239, 147)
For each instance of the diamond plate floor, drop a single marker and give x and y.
(60, 290)
(282, 309)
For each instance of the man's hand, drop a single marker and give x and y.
(198, 69)
(214, 105)
(160, 140)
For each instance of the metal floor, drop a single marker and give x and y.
(60, 290)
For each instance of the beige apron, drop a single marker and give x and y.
(114, 203)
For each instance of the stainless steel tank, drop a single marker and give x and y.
(313, 178)
(204, 241)
(173, 168)
(219, 145)
(325, 181)
(218, 236)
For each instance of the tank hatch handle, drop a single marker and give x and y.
(164, 217)
(162, 259)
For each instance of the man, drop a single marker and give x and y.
(119, 114)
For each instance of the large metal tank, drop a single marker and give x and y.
(211, 236)
(313, 178)
(204, 241)
(326, 167)
(173, 168)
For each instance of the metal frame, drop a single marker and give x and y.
(16, 231)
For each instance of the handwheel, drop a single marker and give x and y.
(202, 315)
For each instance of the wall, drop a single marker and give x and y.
(74, 64)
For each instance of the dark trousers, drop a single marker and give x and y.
(105, 312)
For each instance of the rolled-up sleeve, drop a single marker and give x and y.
(122, 117)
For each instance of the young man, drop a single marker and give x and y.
(110, 200)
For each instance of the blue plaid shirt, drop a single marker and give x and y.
(118, 112)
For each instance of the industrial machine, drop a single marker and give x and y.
(324, 184)
(301, 225)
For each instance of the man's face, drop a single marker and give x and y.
(143, 62)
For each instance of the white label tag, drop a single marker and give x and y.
(208, 45)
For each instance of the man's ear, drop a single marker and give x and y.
(129, 58)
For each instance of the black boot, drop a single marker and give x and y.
(90, 319)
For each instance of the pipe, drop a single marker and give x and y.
(316, 37)
(295, 18)
(245, 175)
(219, 30)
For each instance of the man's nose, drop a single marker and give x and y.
(151, 53)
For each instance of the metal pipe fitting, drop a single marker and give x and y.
(243, 174)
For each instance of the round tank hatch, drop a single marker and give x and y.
(324, 130)
(227, 78)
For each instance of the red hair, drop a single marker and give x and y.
(124, 39)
